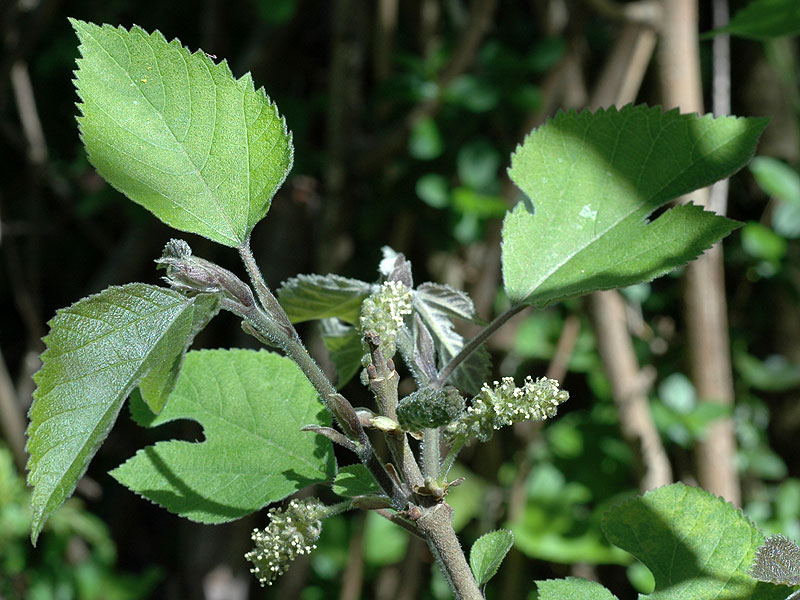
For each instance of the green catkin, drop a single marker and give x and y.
(291, 532)
(428, 407)
(503, 404)
(383, 313)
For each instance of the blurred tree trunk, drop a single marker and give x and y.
(704, 295)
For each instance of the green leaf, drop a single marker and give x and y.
(355, 480)
(251, 406)
(345, 348)
(781, 182)
(157, 385)
(433, 190)
(176, 133)
(572, 588)
(425, 142)
(763, 20)
(593, 180)
(308, 297)
(437, 304)
(695, 544)
(759, 241)
(98, 350)
(488, 552)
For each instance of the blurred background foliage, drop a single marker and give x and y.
(404, 115)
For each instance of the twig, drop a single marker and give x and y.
(704, 292)
(474, 343)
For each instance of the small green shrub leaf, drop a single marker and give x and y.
(309, 297)
(695, 544)
(251, 406)
(355, 480)
(177, 133)
(593, 179)
(437, 305)
(343, 343)
(98, 350)
(488, 552)
(572, 588)
(764, 20)
(777, 561)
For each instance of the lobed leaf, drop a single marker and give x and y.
(695, 544)
(488, 552)
(309, 297)
(251, 406)
(593, 179)
(98, 350)
(177, 133)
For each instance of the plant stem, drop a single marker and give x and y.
(473, 344)
(436, 525)
(430, 454)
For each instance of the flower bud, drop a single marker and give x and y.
(190, 273)
(429, 407)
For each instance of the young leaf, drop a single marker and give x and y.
(593, 180)
(695, 544)
(308, 297)
(488, 552)
(98, 350)
(344, 346)
(437, 305)
(572, 588)
(176, 133)
(355, 480)
(777, 561)
(251, 406)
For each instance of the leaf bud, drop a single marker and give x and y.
(429, 407)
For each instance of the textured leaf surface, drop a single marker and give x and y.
(157, 385)
(98, 350)
(488, 552)
(572, 588)
(695, 544)
(593, 179)
(355, 480)
(764, 19)
(777, 561)
(177, 133)
(308, 297)
(343, 342)
(251, 406)
(437, 305)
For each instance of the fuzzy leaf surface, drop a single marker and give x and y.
(695, 544)
(159, 382)
(343, 343)
(251, 405)
(437, 305)
(488, 552)
(593, 179)
(572, 588)
(177, 133)
(98, 350)
(309, 297)
(356, 480)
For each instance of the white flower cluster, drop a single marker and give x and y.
(291, 532)
(383, 313)
(503, 404)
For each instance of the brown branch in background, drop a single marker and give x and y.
(385, 31)
(478, 23)
(720, 92)
(644, 12)
(353, 575)
(619, 83)
(704, 291)
(12, 418)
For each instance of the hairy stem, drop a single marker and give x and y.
(430, 454)
(436, 524)
(473, 344)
